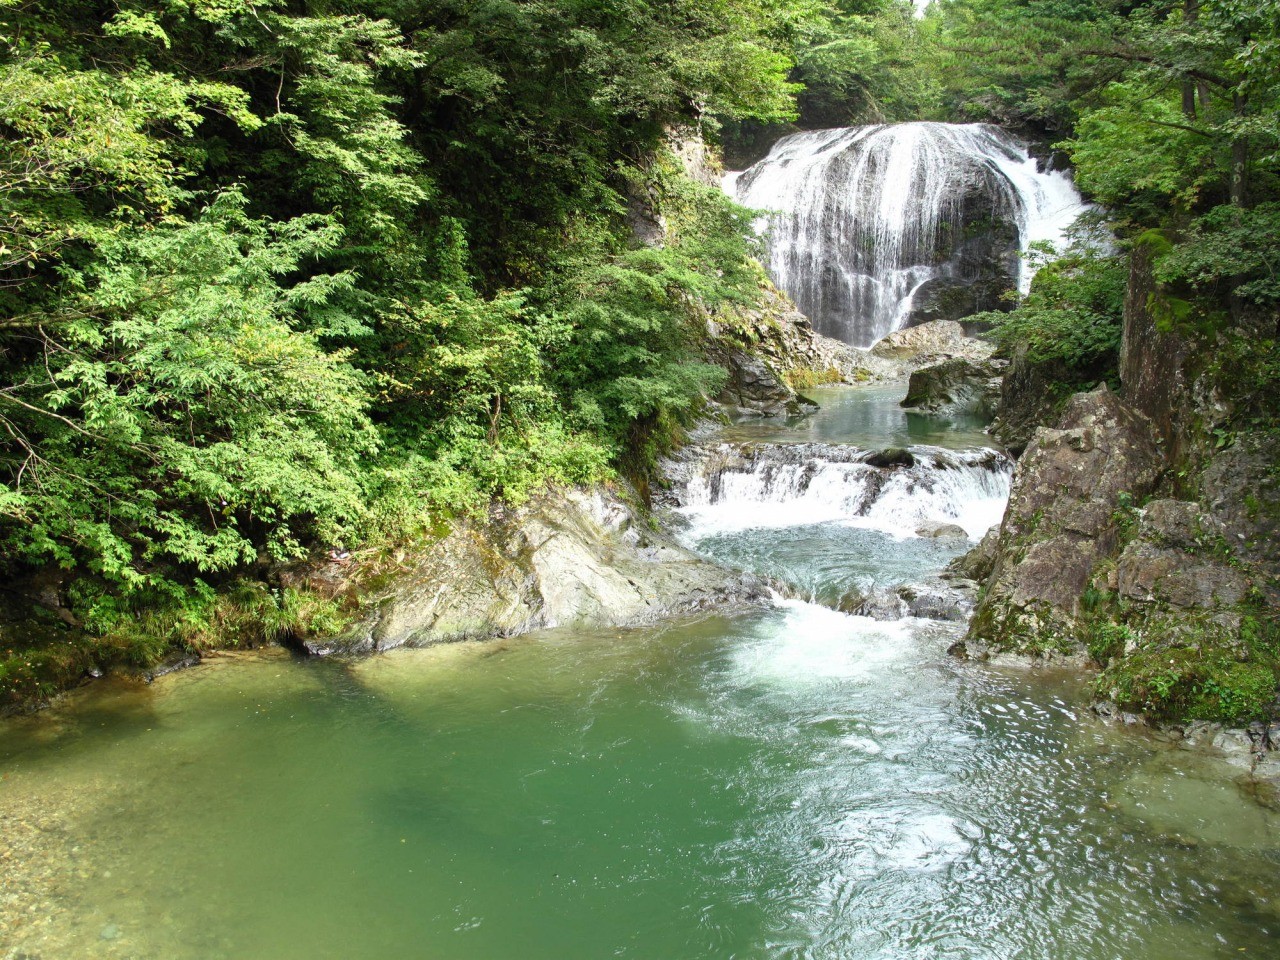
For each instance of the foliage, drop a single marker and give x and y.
(1072, 316)
(1230, 252)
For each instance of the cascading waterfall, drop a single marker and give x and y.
(732, 487)
(860, 219)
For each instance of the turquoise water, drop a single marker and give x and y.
(784, 783)
(869, 417)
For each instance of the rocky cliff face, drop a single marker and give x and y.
(1061, 524)
(1141, 536)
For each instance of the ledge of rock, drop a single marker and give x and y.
(930, 343)
(568, 558)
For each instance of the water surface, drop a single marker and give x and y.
(869, 417)
(784, 783)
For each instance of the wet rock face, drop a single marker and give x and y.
(755, 390)
(1062, 520)
(565, 559)
(1029, 395)
(956, 386)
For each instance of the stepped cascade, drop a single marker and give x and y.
(831, 483)
(870, 229)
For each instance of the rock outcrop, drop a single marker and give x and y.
(1030, 395)
(1141, 532)
(1062, 520)
(571, 558)
(959, 386)
(930, 343)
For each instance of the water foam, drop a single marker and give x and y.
(766, 486)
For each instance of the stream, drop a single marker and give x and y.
(790, 782)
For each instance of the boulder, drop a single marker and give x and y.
(936, 601)
(755, 390)
(978, 563)
(929, 342)
(568, 558)
(956, 386)
(938, 530)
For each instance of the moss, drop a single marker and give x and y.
(40, 656)
(1196, 669)
(1030, 632)
(802, 378)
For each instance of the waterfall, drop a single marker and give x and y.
(861, 219)
(732, 487)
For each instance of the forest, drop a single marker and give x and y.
(286, 277)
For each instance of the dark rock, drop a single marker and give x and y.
(171, 664)
(1030, 392)
(891, 457)
(883, 603)
(1152, 358)
(935, 602)
(978, 563)
(956, 386)
(754, 390)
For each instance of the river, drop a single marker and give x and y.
(785, 783)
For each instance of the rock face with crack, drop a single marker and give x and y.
(571, 558)
(1062, 521)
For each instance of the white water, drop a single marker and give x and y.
(859, 217)
(770, 487)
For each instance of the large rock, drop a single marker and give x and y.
(959, 386)
(570, 558)
(753, 389)
(1178, 558)
(1152, 358)
(1240, 489)
(930, 343)
(1069, 498)
(779, 335)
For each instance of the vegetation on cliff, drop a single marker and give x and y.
(1168, 112)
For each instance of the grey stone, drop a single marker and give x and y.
(958, 386)
(570, 558)
(938, 530)
(928, 343)
(1061, 519)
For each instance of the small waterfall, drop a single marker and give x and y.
(732, 488)
(862, 218)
